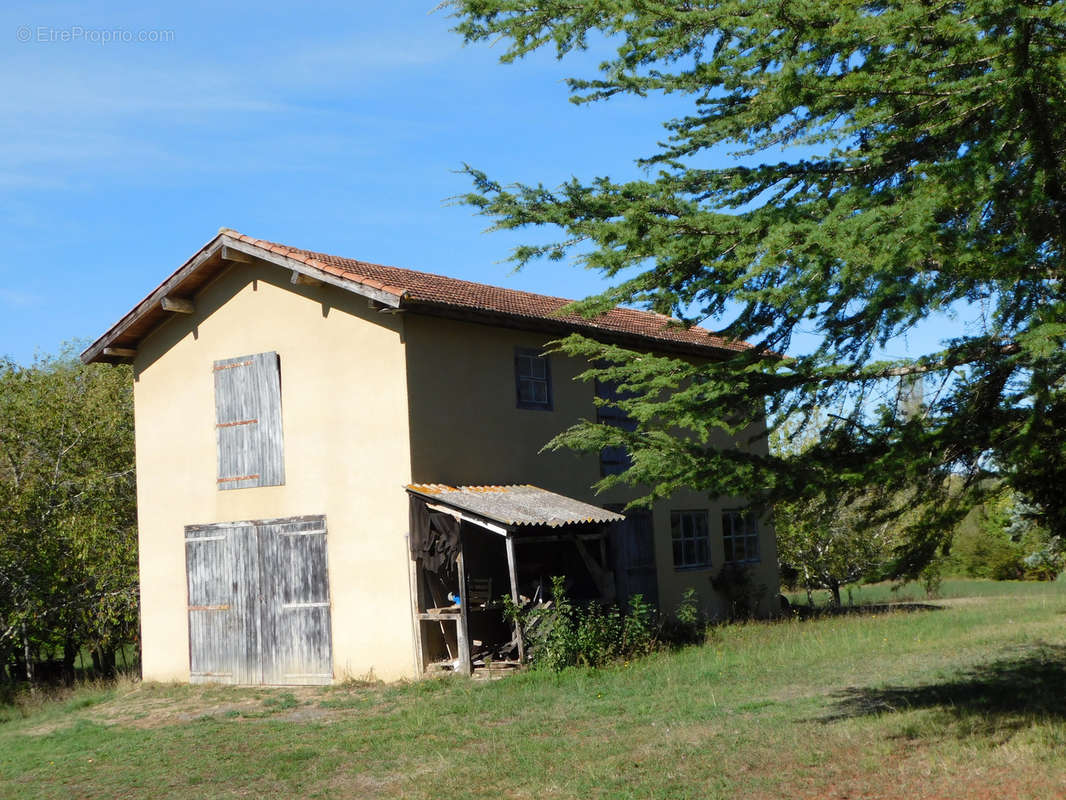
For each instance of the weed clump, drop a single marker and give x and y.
(564, 634)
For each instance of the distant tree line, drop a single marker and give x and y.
(68, 539)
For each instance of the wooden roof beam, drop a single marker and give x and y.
(229, 254)
(300, 279)
(178, 305)
(120, 352)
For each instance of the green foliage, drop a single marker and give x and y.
(1000, 540)
(889, 164)
(68, 571)
(565, 635)
(825, 539)
(689, 625)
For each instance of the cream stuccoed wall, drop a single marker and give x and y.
(466, 429)
(345, 417)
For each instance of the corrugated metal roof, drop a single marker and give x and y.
(516, 505)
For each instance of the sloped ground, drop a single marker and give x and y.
(963, 701)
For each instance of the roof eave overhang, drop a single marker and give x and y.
(118, 344)
(566, 327)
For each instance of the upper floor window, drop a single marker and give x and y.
(533, 379)
(248, 421)
(691, 538)
(613, 460)
(740, 534)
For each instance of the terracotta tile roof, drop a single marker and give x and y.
(413, 288)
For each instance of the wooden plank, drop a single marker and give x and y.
(300, 279)
(512, 572)
(248, 584)
(413, 587)
(465, 667)
(229, 254)
(120, 352)
(464, 517)
(566, 537)
(178, 305)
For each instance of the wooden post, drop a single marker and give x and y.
(465, 667)
(512, 571)
(417, 606)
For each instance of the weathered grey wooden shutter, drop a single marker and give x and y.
(248, 421)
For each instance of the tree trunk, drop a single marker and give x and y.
(28, 655)
(70, 653)
(834, 587)
(104, 662)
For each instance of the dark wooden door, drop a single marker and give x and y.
(259, 608)
(633, 547)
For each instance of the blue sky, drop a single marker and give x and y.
(336, 127)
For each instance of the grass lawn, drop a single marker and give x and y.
(967, 700)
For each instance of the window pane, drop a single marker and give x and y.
(699, 524)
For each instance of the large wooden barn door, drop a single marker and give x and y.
(295, 606)
(259, 602)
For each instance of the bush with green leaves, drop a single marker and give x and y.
(565, 634)
(1003, 540)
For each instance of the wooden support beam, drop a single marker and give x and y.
(229, 254)
(300, 279)
(178, 305)
(414, 584)
(459, 515)
(512, 571)
(120, 352)
(585, 537)
(465, 666)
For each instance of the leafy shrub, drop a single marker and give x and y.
(689, 625)
(565, 635)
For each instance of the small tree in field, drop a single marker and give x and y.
(828, 542)
(826, 536)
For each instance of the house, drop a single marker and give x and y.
(315, 436)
